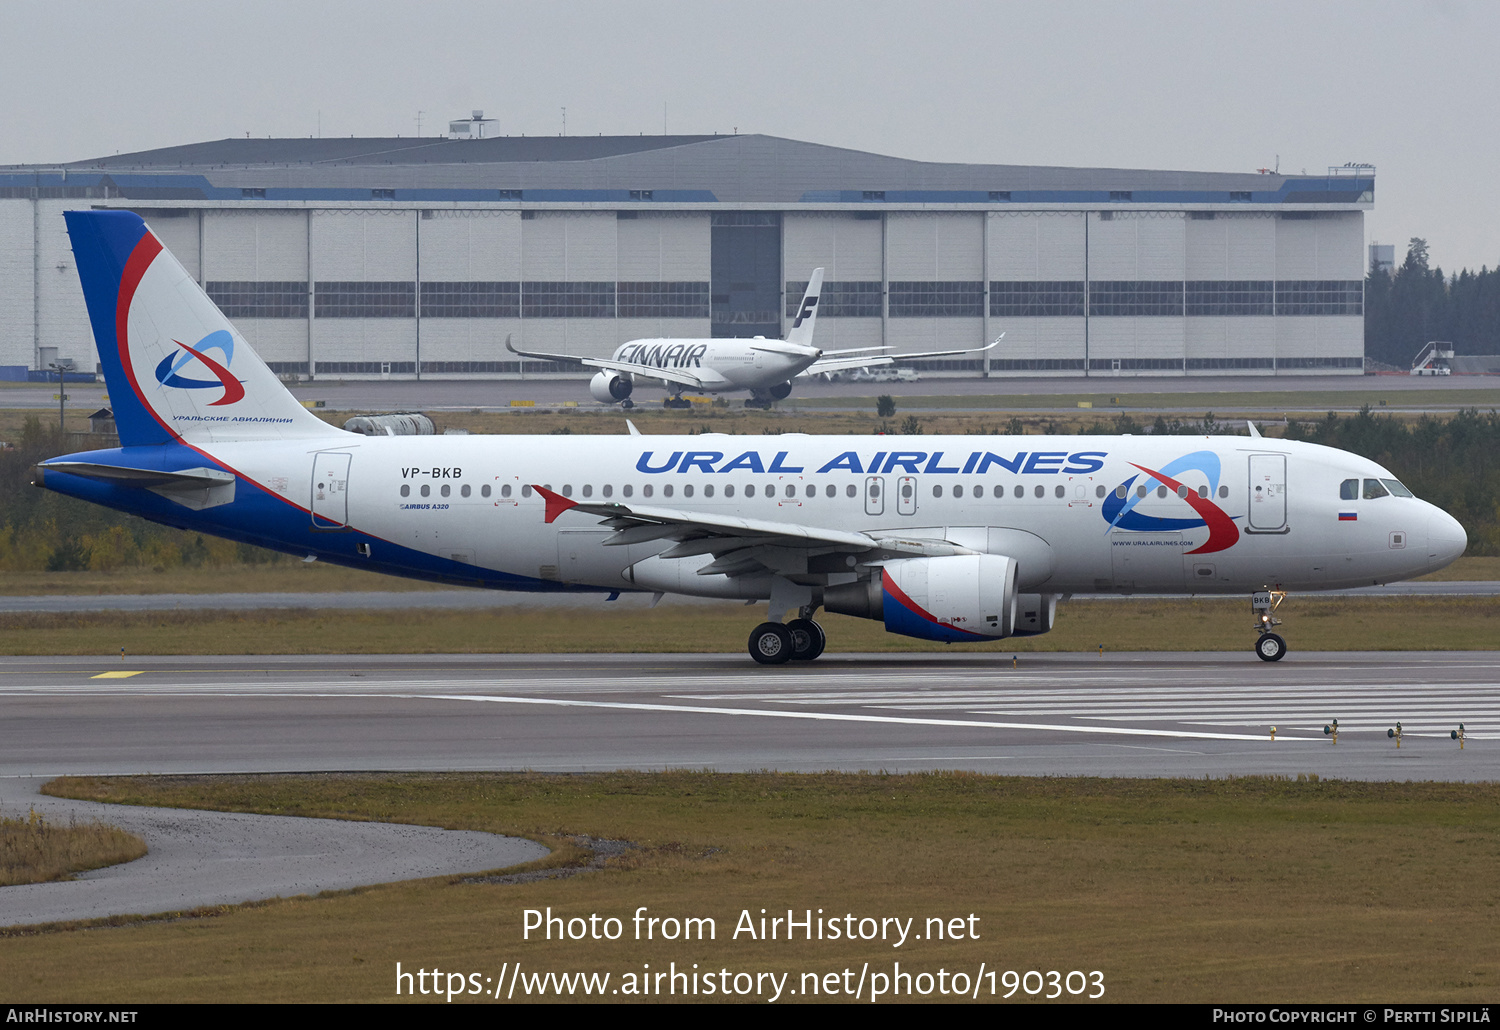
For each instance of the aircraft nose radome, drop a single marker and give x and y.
(1446, 539)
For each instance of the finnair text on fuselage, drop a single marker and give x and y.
(662, 354)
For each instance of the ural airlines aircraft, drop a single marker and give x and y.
(942, 538)
(764, 367)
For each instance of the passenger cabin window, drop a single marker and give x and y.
(851, 490)
(1223, 492)
(466, 490)
(1041, 491)
(405, 490)
(1373, 489)
(627, 489)
(1349, 490)
(937, 491)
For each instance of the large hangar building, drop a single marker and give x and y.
(415, 258)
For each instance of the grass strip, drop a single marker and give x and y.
(34, 850)
(1245, 889)
(1312, 624)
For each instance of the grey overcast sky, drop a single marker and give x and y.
(1226, 86)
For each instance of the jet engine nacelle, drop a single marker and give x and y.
(609, 388)
(781, 391)
(961, 597)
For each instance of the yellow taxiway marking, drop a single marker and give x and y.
(119, 674)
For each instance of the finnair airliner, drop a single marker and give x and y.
(764, 367)
(941, 538)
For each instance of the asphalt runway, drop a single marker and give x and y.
(1136, 714)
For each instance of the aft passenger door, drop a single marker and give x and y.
(330, 490)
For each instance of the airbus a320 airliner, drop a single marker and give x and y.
(941, 538)
(764, 367)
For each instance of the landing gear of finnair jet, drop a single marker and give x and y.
(808, 639)
(627, 404)
(771, 643)
(676, 400)
(1269, 647)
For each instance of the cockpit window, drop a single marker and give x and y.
(1349, 490)
(1395, 487)
(1373, 489)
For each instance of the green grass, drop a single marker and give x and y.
(1231, 890)
(34, 850)
(1327, 624)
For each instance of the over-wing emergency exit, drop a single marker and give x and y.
(942, 538)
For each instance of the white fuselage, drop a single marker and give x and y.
(1055, 504)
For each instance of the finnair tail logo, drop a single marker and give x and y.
(1119, 510)
(808, 304)
(167, 373)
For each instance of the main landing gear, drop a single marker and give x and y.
(676, 400)
(773, 643)
(1269, 647)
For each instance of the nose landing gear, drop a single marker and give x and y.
(1269, 647)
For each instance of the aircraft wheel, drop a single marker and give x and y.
(1270, 647)
(771, 643)
(808, 639)
(627, 403)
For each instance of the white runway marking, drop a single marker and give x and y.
(839, 717)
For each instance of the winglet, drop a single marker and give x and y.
(1253, 431)
(633, 430)
(556, 503)
(508, 346)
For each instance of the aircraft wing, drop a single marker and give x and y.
(667, 375)
(738, 545)
(840, 364)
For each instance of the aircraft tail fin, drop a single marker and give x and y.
(802, 327)
(177, 370)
